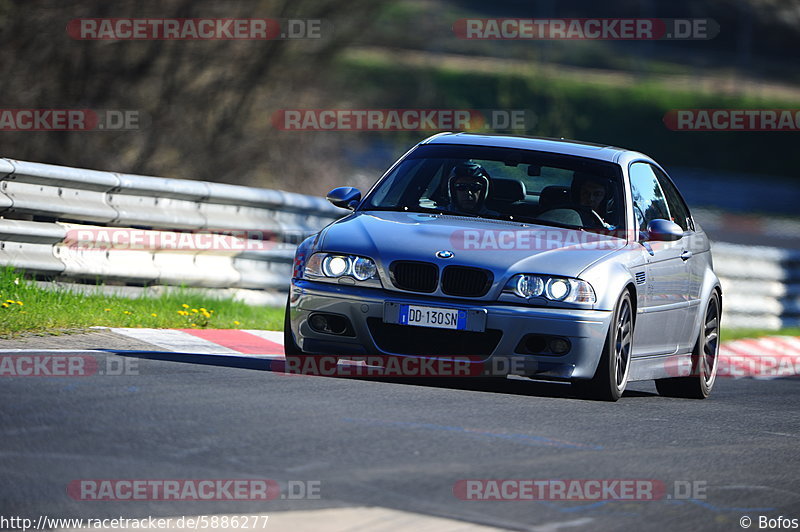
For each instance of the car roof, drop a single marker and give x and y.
(560, 146)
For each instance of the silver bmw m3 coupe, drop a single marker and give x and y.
(549, 259)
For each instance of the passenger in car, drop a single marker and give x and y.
(592, 192)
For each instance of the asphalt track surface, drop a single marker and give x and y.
(398, 444)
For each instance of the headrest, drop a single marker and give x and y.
(553, 196)
(507, 190)
(579, 178)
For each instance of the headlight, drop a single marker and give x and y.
(557, 289)
(528, 286)
(560, 289)
(337, 265)
(364, 268)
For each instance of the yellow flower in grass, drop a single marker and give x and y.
(20, 303)
(185, 305)
(4, 305)
(236, 322)
(127, 312)
(154, 314)
(194, 310)
(106, 310)
(10, 301)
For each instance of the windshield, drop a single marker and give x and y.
(504, 183)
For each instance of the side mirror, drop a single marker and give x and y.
(345, 197)
(661, 230)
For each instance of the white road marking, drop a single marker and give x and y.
(272, 336)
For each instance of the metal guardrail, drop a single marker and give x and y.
(55, 221)
(761, 285)
(62, 223)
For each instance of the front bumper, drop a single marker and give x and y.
(506, 325)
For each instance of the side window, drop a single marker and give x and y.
(678, 209)
(649, 202)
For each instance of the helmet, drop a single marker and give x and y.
(470, 170)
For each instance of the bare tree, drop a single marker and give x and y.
(204, 106)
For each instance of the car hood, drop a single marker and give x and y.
(503, 247)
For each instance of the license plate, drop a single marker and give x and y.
(440, 318)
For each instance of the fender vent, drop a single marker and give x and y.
(640, 278)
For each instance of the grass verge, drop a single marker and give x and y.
(27, 308)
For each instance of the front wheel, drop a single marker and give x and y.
(611, 377)
(704, 359)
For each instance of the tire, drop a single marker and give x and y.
(611, 376)
(705, 358)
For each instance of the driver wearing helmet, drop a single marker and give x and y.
(468, 185)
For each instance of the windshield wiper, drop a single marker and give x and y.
(397, 208)
(426, 210)
(500, 217)
(551, 223)
(443, 211)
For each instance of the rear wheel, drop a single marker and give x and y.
(611, 377)
(704, 359)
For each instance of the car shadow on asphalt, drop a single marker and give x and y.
(512, 386)
(497, 385)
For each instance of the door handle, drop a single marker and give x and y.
(686, 255)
